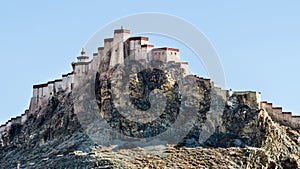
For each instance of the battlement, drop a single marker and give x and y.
(113, 52)
(296, 119)
(40, 98)
(13, 121)
(280, 116)
(42, 92)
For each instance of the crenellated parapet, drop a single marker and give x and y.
(122, 46)
(67, 82)
(43, 92)
(296, 120)
(280, 116)
(13, 121)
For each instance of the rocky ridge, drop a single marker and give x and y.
(244, 137)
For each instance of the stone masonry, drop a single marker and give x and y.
(114, 51)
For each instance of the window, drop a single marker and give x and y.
(175, 53)
(171, 53)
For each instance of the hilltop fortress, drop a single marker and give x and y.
(113, 52)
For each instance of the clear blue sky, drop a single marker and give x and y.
(257, 42)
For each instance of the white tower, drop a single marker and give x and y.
(81, 67)
(117, 53)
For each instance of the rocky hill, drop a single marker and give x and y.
(244, 137)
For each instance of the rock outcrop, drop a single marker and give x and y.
(244, 136)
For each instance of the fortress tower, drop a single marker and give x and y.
(82, 65)
(139, 49)
(113, 52)
(119, 47)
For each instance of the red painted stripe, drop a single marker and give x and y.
(139, 38)
(40, 86)
(287, 113)
(122, 31)
(150, 46)
(167, 49)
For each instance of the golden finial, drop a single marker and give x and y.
(82, 51)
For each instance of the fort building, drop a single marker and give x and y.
(114, 51)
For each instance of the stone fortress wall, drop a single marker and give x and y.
(280, 116)
(113, 52)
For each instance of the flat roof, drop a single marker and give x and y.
(167, 49)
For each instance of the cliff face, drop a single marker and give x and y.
(244, 137)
